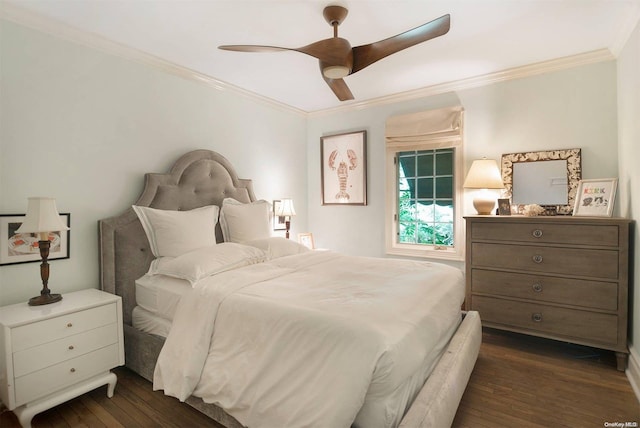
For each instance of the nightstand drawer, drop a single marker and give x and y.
(575, 292)
(48, 354)
(51, 329)
(567, 261)
(577, 234)
(568, 323)
(50, 379)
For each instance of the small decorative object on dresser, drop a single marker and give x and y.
(504, 206)
(564, 278)
(595, 197)
(51, 354)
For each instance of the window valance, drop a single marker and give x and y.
(443, 124)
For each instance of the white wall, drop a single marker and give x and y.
(629, 155)
(84, 126)
(574, 108)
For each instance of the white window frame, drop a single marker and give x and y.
(393, 247)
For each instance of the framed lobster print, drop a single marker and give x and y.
(344, 169)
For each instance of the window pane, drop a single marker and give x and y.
(425, 164)
(425, 234)
(406, 232)
(444, 163)
(425, 188)
(408, 164)
(444, 187)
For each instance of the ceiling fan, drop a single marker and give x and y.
(338, 59)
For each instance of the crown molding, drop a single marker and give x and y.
(558, 64)
(18, 15)
(56, 28)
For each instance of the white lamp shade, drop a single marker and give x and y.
(484, 174)
(286, 209)
(42, 216)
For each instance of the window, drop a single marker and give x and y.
(424, 190)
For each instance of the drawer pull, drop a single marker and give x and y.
(537, 317)
(71, 347)
(72, 370)
(69, 325)
(537, 287)
(537, 258)
(537, 233)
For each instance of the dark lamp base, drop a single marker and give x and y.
(44, 299)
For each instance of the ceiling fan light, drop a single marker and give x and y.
(335, 71)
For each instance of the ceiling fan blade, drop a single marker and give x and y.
(253, 48)
(366, 55)
(332, 51)
(340, 88)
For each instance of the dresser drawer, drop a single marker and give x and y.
(48, 354)
(589, 294)
(567, 261)
(51, 329)
(576, 234)
(42, 382)
(568, 323)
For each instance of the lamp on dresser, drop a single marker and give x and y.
(484, 175)
(286, 210)
(43, 218)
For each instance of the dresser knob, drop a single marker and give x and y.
(72, 370)
(537, 233)
(69, 325)
(537, 258)
(537, 317)
(537, 287)
(71, 347)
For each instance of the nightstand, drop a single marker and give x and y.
(52, 353)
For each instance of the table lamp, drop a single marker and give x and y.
(286, 210)
(484, 175)
(43, 218)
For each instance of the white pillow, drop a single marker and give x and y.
(277, 246)
(245, 222)
(208, 261)
(173, 233)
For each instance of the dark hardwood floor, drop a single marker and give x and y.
(518, 381)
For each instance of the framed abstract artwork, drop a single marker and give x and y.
(344, 168)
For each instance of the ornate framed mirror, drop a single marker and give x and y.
(547, 178)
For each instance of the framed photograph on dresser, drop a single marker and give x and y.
(595, 197)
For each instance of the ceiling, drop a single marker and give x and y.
(486, 36)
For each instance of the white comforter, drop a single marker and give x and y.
(312, 340)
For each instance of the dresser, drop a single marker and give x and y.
(52, 353)
(564, 278)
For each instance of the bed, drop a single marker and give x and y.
(203, 178)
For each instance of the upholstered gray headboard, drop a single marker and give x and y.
(197, 179)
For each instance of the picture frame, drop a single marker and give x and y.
(596, 197)
(306, 239)
(278, 221)
(23, 247)
(344, 168)
(504, 206)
